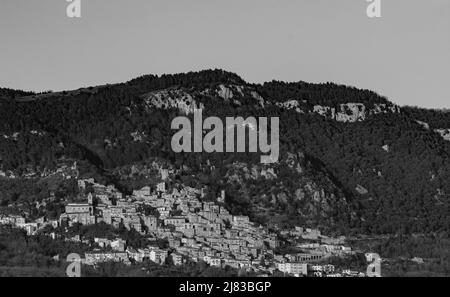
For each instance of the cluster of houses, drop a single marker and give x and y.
(195, 229)
(30, 227)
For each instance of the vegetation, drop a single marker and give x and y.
(407, 183)
(39, 255)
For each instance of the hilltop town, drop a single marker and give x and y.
(194, 229)
(351, 163)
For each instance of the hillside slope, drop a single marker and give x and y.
(350, 159)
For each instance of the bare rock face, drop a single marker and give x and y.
(225, 92)
(445, 133)
(138, 136)
(233, 93)
(293, 161)
(258, 98)
(299, 194)
(351, 112)
(354, 112)
(172, 98)
(268, 173)
(346, 113)
(291, 104)
(424, 125)
(325, 111)
(361, 190)
(185, 101)
(282, 198)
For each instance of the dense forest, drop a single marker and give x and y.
(11, 94)
(328, 94)
(436, 119)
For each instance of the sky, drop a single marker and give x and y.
(404, 55)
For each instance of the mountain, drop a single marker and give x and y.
(350, 160)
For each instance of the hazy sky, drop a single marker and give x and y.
(405, 55)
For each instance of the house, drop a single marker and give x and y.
(158, 256)
(312, 234)
(95, 258)
(12, 220)
(329, 269)
(30, 228)
(240, 220)
(143, 193)
(177, 259)
(136, 255)
(161, 187)
(79, 212)
(118, 245)
(175, 221)
(102, 242)
(151, 223)
(351, 273)
(217, 262)
(296, 269)
(174, 242)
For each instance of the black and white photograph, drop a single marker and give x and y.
(225, 146)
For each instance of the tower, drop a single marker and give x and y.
(221, 198)
(90, 199)
(161, 187)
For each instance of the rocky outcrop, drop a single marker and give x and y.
(291, 191)
(138, 136)
(172, 98)
(346, 113)
(354, 112)
(445, 133)
(424, 125)
(291, 104)
(186, 102)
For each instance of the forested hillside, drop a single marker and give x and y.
(378, 172)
